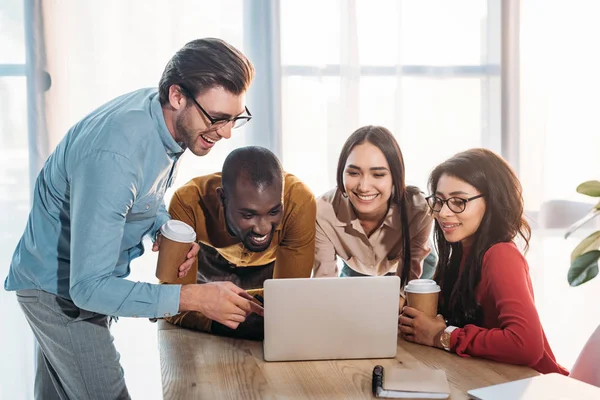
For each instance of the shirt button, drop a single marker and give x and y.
(147, 206)
(167, 315)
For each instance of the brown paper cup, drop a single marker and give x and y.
(425, 302)
(176, 242)
(423, 294)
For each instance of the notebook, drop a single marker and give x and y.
(331, 318)
(403, 383)
(548, 387)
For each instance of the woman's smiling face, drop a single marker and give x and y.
(367, 180)
(459, 227)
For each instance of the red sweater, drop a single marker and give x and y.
(511, 332)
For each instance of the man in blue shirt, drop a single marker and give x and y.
(98, 194)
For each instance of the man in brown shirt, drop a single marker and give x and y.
(253, 222)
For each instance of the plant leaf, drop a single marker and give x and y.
(592, 242)
(593, 213)
(584, 268)
(590, 188)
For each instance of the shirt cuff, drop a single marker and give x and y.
(453, 336)
(160, 220)
(168, 301)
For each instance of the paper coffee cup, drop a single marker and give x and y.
(423, 294)
(175, 244)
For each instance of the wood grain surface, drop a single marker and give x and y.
(197, 365)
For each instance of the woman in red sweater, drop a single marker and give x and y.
(486, 300)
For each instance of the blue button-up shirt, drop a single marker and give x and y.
(96, 197)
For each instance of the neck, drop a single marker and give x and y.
(169, 114)
(371, 221)
(376, 216)
(467, 242)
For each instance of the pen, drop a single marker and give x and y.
(260, 299)
(377, 380)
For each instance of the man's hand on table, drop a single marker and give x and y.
(223, 302)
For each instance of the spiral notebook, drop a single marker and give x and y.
(404, 383)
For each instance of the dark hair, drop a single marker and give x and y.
(502, 221)
(255, 163)
(203, 64)
(383, 139)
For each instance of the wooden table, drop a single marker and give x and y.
(197, 365)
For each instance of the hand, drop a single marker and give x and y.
(418, 327)
(156, 243)
(401, 304)
(223, 302)
(190, 260)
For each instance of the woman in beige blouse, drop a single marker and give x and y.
(371, 220)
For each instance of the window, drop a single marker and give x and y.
(427, 70)
(17, 353)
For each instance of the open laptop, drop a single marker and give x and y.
(543, 387)
(331, 318)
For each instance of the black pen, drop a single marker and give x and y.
(377, 380)
(260, 299)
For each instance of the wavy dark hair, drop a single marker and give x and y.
(502, 221)
(203, 64)
(383, 139)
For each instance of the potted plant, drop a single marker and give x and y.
(584, 258)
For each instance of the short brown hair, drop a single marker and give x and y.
(203, 64)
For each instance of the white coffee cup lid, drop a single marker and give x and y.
(178, 231)
(422, 286)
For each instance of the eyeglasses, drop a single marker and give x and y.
(220, 122)
(455, 204)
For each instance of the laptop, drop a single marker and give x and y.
(331, 318)
(547, 387)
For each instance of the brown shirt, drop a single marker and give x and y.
(339, 233)
(293, 246)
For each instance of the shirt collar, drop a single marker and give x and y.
(172, 147)
(346, 215)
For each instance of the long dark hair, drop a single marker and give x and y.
(383, 139)
(502, 221)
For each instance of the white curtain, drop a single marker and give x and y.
(16, 367)
(559, 148)
(100, 49)
(97, 50)
(421, 69)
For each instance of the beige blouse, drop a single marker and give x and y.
(339, 233)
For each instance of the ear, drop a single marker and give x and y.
(221, 195)
(176, 97)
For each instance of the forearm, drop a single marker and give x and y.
(189, 298)
(504, 345)
(120, 297)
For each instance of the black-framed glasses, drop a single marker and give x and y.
(220, 122)
(455, 204)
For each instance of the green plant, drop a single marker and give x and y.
(584, 258)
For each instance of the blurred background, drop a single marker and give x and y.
(518, 77)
